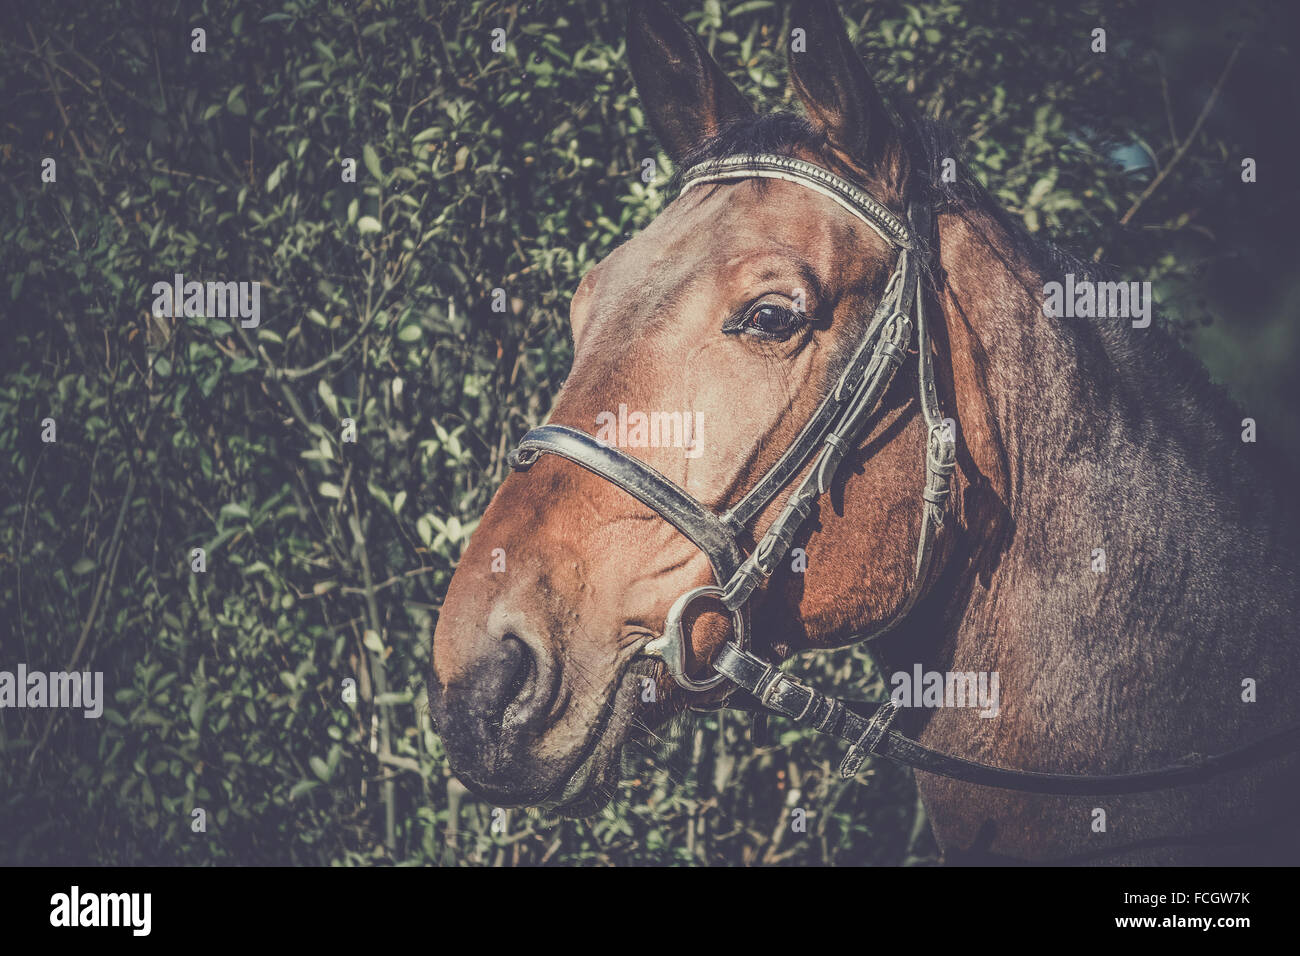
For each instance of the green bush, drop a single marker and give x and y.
(327, 560)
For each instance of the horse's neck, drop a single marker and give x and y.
(1130, 513)
(1080, 444)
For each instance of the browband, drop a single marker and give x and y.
(770, 166)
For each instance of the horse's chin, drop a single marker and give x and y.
(595, 780)
(591, 786)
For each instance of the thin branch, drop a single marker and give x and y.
(67, 124)
(1169, 108)
(162, 90)
(406, 763)
(1186, 144)
(389, 583)
(105, 581)
(379, 669)
(178, 172)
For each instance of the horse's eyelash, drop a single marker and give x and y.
(737, 321)
(736, 324)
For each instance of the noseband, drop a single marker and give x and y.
(833, 430)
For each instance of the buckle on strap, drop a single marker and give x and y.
(866, 744)
(767, 684)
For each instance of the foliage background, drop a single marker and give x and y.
(478, 170)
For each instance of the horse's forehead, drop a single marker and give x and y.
(706, 235)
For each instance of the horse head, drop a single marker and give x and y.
(702, 347)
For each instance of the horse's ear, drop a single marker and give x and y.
(686, 96)
(840, 97)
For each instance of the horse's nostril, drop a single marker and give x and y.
(505, 688)
(519, 659)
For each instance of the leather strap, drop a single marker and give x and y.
(661, 495)
(940, 453)
(852, 376)
(770, 166)
(870, 735)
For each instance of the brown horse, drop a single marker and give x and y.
(1082, 444)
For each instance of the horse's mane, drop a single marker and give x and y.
(1138, 356)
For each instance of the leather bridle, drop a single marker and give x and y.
(831, 432)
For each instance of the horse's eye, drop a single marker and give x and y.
(770, 322)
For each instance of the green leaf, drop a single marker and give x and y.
(368, 224)
(84, 566)
(303, 787)
(1041, 189)
(327, 396)
(320, 768)
(274, 179)
(372, 641)
(371, 159)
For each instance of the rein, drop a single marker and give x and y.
(825, 440)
